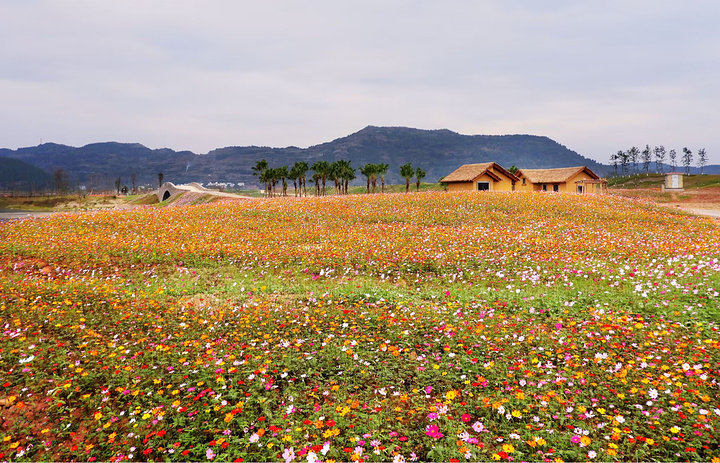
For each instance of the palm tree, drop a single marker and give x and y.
(316, 178)
(407, 171)
(334, 172)
(368, 170)
(266, 177)
(382, 169)
(348, 174)
(302, 168)
(322, 168)
(294, 176)
(419, 175)
(282, 173)
(259, 169)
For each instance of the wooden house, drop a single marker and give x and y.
(487, 176)
(568, 179)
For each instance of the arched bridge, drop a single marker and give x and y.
(169, 190)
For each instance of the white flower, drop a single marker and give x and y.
(312, 457)
(27, 359)
(591, 454)
(399, 459)
(289, 455)
(254, 438)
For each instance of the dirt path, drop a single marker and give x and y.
(715, 213)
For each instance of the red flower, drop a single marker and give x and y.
(185, 452)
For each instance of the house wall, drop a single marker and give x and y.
(505, 184)
(528, 186)
(461, 186)
(571, 187)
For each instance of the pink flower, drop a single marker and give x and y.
(575, 439)
(428, 390)
(209, 454)
(433, 431)
(465, 417)
(478, 426)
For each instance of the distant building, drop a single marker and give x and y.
(569, 179)
(487, 176)
(673, 182)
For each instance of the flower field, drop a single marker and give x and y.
(438, 326)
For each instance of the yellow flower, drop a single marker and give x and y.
(450, 395)
(674, 430)
(516, 413)
(98, 415)
(508, 448)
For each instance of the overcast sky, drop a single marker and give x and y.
(595, 76)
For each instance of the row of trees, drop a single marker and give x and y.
(628, 162)
(340, 172)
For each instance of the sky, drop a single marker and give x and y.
(595, 76)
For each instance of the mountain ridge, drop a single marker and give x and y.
(437, 151)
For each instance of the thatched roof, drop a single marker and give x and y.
(559, 175)
(469, 172)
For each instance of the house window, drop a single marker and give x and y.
(544, 187)
(483, 186)
(556, 187)
(523, 180)
(579, 189)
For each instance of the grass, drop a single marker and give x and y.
(657, 180)
(368, 328)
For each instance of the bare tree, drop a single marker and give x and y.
(702, 159)
(646, 157)
(659, 158)
(687, 160)
(673, 159)
(62, 181)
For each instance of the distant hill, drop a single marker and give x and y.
(438, 152)
(21, 176)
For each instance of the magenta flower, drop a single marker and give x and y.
(433, 431)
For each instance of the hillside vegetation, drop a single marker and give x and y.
(433, 326)
(438, 152)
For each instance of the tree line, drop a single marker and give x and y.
(628, 162)
(339, 172)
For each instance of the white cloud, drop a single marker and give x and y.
(594, 76)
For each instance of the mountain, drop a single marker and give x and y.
(21, 176)
(438, 152)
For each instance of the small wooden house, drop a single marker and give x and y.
(568, 179)
(487, 176)
(673, 182)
